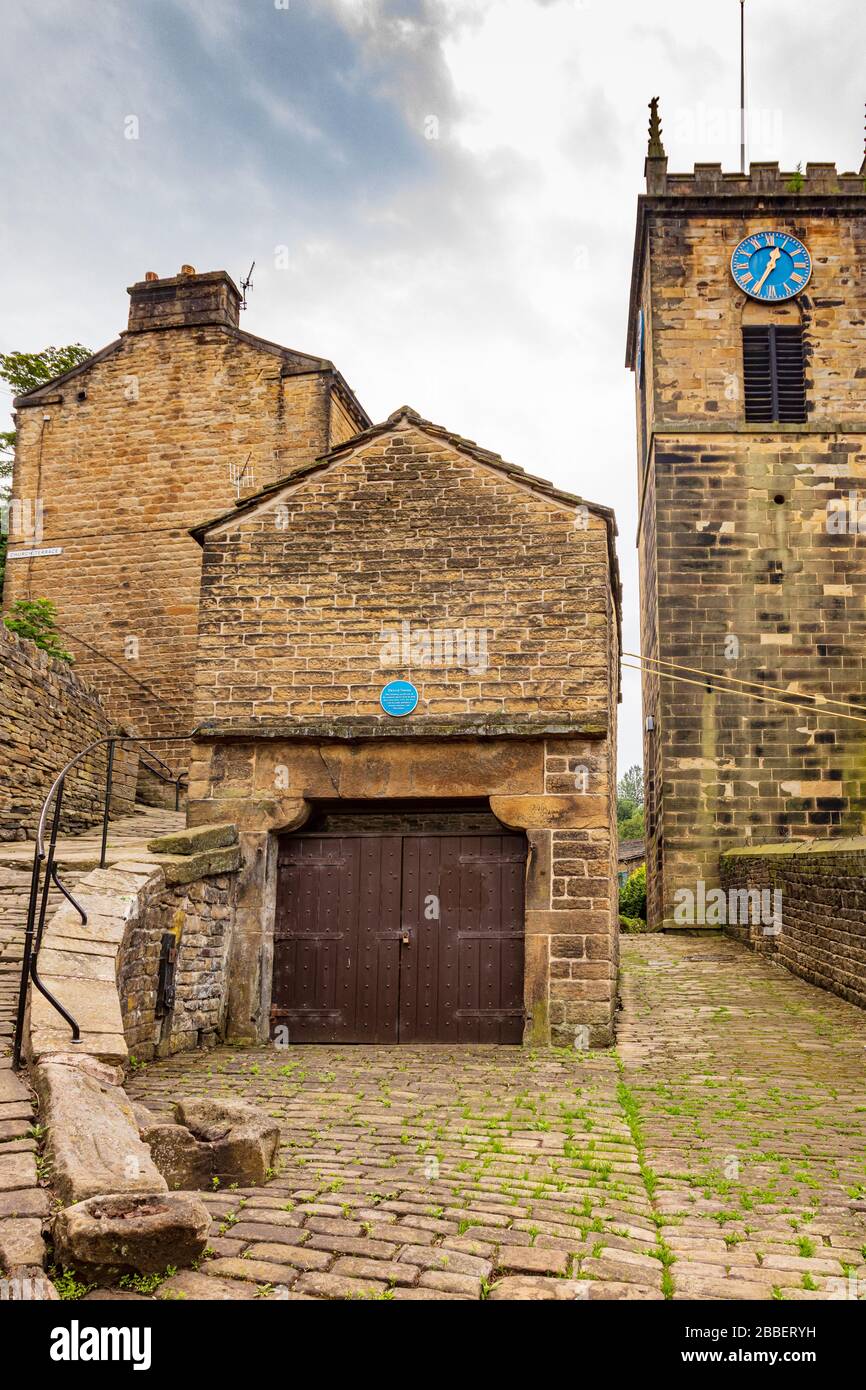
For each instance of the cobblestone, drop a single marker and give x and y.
(718, 1152)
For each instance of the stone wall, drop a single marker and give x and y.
(154, 789)
(93, 1145)
(823, 910)
(47, 715)
(317, 597)
(198, 915)
(174, 403)
(740, 576)
(553, 788)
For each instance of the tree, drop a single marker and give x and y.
(26, 370)
(35, 620)
(631, 786)
(633, 827)
(629, 805)
(22, 371)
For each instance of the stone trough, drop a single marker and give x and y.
(122, 1232)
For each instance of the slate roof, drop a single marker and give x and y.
(630, 850)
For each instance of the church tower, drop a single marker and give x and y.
(747, 339)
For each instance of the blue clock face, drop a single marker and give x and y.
(771, 266)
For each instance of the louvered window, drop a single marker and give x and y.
(773, 371)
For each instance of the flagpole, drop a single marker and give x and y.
(742, 86)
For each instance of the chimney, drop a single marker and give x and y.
(186, 300)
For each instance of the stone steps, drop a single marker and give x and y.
(23, 1202)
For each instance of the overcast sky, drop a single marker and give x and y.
(480, 276)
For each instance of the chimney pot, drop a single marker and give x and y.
(187, 270)
(151, 275)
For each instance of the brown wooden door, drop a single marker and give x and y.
(400, 938)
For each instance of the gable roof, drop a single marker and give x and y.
(293, 364)
(36, 395)
(415, 421)
(407, 418)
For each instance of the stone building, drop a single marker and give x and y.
(119, 457)
(752, 486)
(447, 875)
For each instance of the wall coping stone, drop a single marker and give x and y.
(195, 840)
(853, 844)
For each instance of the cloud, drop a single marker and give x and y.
(478, 266)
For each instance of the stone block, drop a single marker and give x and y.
(553, 812)
(183, 1160)
(21, 1241)
(244, 1141)
(93, 1145)
(196, 840)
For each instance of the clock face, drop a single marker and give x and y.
(771, 266)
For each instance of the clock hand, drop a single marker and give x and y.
(771, 265)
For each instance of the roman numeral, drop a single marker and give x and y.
(798, 279)
(771, 292)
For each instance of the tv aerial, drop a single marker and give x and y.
(247, 284)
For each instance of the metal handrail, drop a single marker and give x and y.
(33, 932)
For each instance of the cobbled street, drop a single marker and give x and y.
(717, 1152)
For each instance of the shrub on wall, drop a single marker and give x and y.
(34, 619)
(632, 895)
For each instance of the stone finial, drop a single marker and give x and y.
(656, 162)
(404, 412)
(655, 149)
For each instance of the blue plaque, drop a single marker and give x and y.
(399, 697)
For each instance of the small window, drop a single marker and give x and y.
(774, 373)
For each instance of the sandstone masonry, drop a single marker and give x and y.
(821, 934)
(198, 915)
(411, 526)
(740, 576)
(170, 422)
(47, 716)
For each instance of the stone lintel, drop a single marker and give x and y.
(592, 725)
